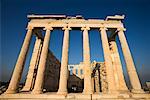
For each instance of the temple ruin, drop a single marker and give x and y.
(46, 72)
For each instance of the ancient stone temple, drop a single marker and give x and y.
(47, 78)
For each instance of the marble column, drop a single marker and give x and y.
(86, 60)
(64, 63)
(36, 66)
(33, 64)
(119, 77)
(14, 82)
(115, 70)
(134, 80)
(38, 87)
(108, 62)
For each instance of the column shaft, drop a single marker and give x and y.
(134, 80)
(64, 64)
(108, 61)
(14, 82)
(121, 85)
(42, 64)
(115, 71)
(97, 78)
(86, 60)
(32, 66)
(36, 66)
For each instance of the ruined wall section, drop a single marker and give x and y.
(103, 78)
(52, 73)
(99, 74)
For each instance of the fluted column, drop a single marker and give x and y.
(42, 64)
(86, 60)
(108, 61)
(33, 64)
(36, 67)
(97, 78)
(14, 82)
(134, 80)
(115, 70)
(119, 77)
(64, 63)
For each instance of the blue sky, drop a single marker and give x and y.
(14, 21)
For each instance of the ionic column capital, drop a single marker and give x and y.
(121, 29)
(48, 28)
(85, 28)
(66, 28)
(29, 27)
(103, 28)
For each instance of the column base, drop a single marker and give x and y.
(60, 92)
(37, 92)
(10, 92)
(113, 92)
(137, 91)
(25, 89)
(123, 91)
(87, 92)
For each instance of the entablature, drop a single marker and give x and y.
(51, 20)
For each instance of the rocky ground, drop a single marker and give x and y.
(4, 86)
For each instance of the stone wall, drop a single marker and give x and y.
(52, 71)
(104, 84)
(99, 77)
